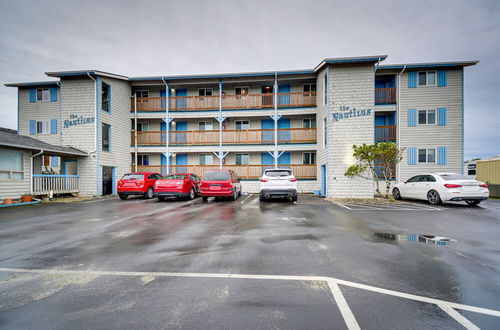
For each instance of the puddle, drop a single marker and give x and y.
(420, 238)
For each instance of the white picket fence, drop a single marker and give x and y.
(44, 184)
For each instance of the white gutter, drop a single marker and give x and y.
(95, 118)
(60, 113)
(31, 172)
(167, 124)
(398, 113)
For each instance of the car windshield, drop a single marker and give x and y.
(174, 177)
(278, 173)
(216, 176)
(133, 177)
(454, 177)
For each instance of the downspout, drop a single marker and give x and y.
(135, 133)
(167, 124)
(220, 124)
(398, 135)
(96, 133)
(276, 120)
(60, 113)
(31, 165)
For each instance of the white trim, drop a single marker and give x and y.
(310, 84)
(426, 155)
(205, 122)
(310, 152)
(240, 120)
(43, 100)
(427, 118)
(310, 118)
(427, 78)
(242, 153)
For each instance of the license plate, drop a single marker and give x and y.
(215, 187)
(469, 188)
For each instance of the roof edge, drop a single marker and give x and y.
(32, 83)
(60, 74)
(428, 65)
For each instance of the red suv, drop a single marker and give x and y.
(177, 185)
(223, 183)
(140, 183)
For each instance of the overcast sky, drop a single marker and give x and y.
(136, 38)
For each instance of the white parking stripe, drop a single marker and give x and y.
(245, 199)
(346, 312)
(433, 301)
(459, 317)
(342, 205)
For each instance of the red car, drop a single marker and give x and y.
(223, 183)
(178, 185)
(140, 183)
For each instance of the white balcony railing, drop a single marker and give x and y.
(44, 184)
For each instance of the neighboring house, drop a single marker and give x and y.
(306, 120)
(22, 171)
(488, 171)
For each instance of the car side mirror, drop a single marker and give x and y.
(406, 181)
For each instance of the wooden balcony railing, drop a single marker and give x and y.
(385, 133)
(249, 101)
(243, 171)
(57, 184)
(229, 136)
(385, 95)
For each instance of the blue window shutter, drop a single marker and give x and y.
(412, 79)
(53, 126)
(32, 95)
(412, 117)
(441, 78)
(53, 94)
(441, 117)
(32, 127)
(441, 156)
(412, 156)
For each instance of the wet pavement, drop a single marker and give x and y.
(124, 254)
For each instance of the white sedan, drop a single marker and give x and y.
(278, 183)
(442, 187)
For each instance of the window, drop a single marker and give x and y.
(452, 176)
(241, 90)
(11, 164)
(142, 127)
(143, 160)
(42, 127)
(216, 176)
(426, 117)
(414, 179)
(309, 158)
(43, 94)
(105, 97)
(141, 94)
(426, 155)
(206, 159)
(205, 125)
(242, 159)
(325, 88)
(205, 92)
(106, 137)
(242, 124)
(427, 78)
(309, 123)
(325, 133)
(309, 87)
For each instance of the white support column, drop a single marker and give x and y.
(167, 121)
(220, 119)
(135, 133)
(276, 117)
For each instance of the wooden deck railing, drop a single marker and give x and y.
(244, 171)
(57, 184)
(211, 137)
(385, 133)
(249, 101)
(385, 95)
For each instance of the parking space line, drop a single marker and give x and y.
(329, 280)
(342, 205)
(346, 312)
(458, 317)
(244, 200)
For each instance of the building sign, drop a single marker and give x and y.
(75, 120)
(347, 112)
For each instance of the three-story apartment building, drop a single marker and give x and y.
(306, 120)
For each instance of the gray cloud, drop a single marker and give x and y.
(182, 37)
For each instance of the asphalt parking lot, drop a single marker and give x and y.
(249, 265)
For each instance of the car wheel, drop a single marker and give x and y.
(235, 196)
(149, 193)
(239, 193)
(122, 197)
(191, 194)
(396, 194)
(433, 197)
(262, 198)
(161, 198)
(473, 203)
(204, 198)
(294, 198)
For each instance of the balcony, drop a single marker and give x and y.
(211, 137)
(200, 103)
(56, 184)
(244, 171)
(385, 133)
(385, 96)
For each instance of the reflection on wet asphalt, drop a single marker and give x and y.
(312, 237)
